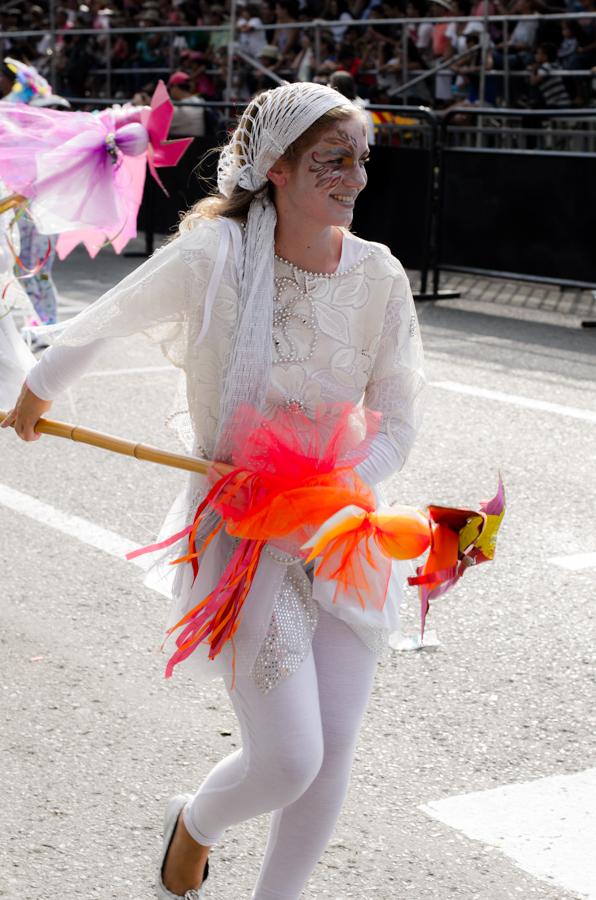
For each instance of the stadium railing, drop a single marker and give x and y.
(409, 77)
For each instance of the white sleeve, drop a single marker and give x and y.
(165, 299)
(397, 379)
(382, 461)
(60, 367)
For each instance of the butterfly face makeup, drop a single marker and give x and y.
(326, 181)
(337, 155)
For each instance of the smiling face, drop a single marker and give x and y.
(322, 185)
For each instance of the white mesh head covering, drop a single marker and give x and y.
(269, 125)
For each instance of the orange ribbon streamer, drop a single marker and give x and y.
(356, 546)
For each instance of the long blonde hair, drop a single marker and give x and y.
(236, 205)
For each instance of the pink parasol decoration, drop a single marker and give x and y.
(157, 121)
(83, 173)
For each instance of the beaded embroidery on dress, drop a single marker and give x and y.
(292, 626)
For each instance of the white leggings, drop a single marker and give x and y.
(298, 743)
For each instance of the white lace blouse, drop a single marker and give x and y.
(347, 337)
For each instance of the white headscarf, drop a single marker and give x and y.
(269, 125)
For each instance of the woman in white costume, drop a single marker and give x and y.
(265, 298)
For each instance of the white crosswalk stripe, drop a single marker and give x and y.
(575, 561)
(547, 827)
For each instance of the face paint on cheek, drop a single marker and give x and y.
(325, 172)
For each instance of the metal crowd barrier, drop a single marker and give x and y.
(522, 213)
(519, 212)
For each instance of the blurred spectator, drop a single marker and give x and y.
(349, 57)
(569, 56)
(519, 48)
(422, 33)
(457, 42)
(179, 42)
(252, 36)
(36, 21)
(442, 48)
(270, 57)
(303, 65)
(76, 61)
(337, 10)
(267, 13)
(573, 39)
(483, 8)
(71, 8)
(468, 73)
(388, 65)
(377, 32)
(345, 84)
(216, 16)
(195, 65)
(286, 39)
(188, 120)
(8, 22)
(586, 52)
(149, 51)
(549, 89)
(257, 81)
(457, 32)
(328, 57)
(122, 45)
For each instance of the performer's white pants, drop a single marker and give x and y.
(297, 747)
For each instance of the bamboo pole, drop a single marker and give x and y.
(126, 448)
(11, 202)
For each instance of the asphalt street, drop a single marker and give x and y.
(94, 740)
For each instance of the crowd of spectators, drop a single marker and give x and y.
(381, 57)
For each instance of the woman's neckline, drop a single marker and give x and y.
(343, 267)
(337, 269)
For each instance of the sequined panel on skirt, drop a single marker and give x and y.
(376, 639)
(293, 623)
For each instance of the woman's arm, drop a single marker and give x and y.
(151, 300)
(60, 367)
(382, 461)
(396, 382)
(157, 299)
(57, 369)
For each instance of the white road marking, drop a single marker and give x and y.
(74, 526)
(546, 826)
(559, 409)
(573, 412)
(575, 561)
